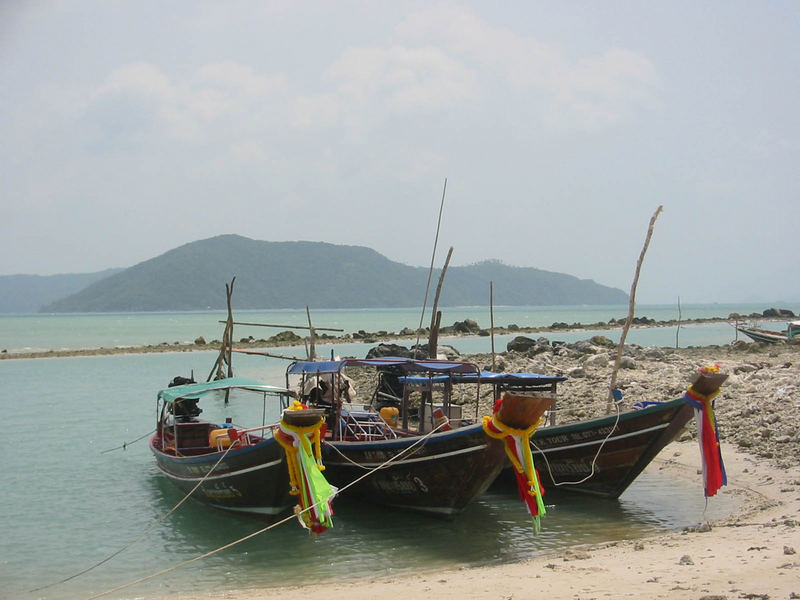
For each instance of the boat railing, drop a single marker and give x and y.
(364, 426)
(246, 438)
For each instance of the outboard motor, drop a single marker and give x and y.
(186, 409)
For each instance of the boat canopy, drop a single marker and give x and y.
(406, 364)
(195, 390)
(514, 379)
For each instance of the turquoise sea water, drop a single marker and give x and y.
(67, 504)
(73, 331)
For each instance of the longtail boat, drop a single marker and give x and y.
(404, 446)
(603, 456)
(232, 467)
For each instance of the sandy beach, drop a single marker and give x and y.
(751, 554)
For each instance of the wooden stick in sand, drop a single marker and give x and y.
(631, 307)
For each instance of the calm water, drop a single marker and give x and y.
(66, 505)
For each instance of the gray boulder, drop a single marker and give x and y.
(521, 344)
(383, 350)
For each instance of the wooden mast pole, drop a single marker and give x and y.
(430, 271)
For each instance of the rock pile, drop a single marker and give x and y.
(758, 409)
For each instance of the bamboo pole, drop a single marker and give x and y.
(285, 326)
(631, 308)
(269, 354)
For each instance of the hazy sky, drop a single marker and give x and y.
(132, 127)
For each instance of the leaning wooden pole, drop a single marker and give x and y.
(312, 351)
(631, 308)
(433, 336)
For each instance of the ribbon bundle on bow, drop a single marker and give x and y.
(307, 482)
(711, 454)
(518, 449)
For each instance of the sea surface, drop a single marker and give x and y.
(72, 496)
(36, 332)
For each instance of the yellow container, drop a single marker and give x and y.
(391, 415)
(219, 438)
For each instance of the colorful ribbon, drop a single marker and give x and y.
(305, 466)
(518, 449)
(714, 476)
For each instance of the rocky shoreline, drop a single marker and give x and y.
(758, 408)
(468, 327)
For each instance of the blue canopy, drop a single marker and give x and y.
(408, 365)
(518, 379)
(195, 390)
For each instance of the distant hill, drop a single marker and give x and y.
(29, 293)
(315, 274)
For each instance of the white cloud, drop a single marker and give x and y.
(424, 78)
(321, 110)
(593, 89)
(219, 97)
(140, 79)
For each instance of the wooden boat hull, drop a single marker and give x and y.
(441, 475)
(251, 480)
(564, 454)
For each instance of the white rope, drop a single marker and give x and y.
(265, 529)
(594, 460)
(126, 444)
(381, 466)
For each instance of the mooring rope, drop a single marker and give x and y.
(146, 531)
(126, 444)
(381, 466)
(594, 460)
(264, 529)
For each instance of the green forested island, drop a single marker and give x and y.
(315, 274)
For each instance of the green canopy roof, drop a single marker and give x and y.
(196, 390)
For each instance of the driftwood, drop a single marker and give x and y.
(631, 307)
(436, 316)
